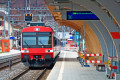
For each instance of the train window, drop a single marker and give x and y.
(29, 41)
(29, 33)
(54, 40)
(56, 43)
(44, 40)
(0, 23)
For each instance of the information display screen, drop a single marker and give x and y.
(81, 15)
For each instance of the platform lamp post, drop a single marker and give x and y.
(4, 29)
(9, 22)
(10, 62)
(81, 37)
(79, 42)
(12, 32)
(84, 39)
(64, 36)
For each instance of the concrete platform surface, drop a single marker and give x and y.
(68, 68)
(8, 55)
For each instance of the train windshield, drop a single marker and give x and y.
(29, 40)
(44, 40)
(37, 40)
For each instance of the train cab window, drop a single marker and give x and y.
(29, 41)
(44, 40)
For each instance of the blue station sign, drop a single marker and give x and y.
(12, 37)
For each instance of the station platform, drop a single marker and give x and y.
(12, 52)
(68, 67)
(9, 55)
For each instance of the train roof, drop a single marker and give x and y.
(37, 29)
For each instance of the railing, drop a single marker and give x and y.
(2, 9)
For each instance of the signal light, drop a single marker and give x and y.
(28, 17)
(30, 14)
(25, 14)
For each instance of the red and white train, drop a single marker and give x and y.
(39, 46)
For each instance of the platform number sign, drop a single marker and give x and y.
(28, 17)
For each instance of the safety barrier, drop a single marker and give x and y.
(93, 61)
(93, 54)
(83, 58)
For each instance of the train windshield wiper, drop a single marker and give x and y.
(27, 44)
(41, 42)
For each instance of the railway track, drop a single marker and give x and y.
(20, 74)
(41, 74)
(29, 74)
(4, 63)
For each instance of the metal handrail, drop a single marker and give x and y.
(2, 9)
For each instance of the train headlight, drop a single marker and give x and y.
(25, 51)
(48, 50)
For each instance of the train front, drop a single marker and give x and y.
(36, 46)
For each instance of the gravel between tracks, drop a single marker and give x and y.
(7, 74)
(31, 75)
